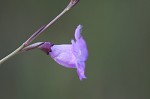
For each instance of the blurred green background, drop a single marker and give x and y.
(117, 33)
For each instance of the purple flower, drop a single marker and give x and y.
(71, 55)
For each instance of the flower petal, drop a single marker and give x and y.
(79, 47)
(62, 54)
(80, 70)
(78, 32)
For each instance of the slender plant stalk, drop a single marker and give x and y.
(38, 32)
(12, 54)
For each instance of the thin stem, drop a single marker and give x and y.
(38, 32)
(12, 54)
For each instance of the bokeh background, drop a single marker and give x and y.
(117, 33)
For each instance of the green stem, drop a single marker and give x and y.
(11, 54)
(38, 32)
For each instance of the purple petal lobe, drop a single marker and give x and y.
(80, 70)
(78, 32)
(80, 47)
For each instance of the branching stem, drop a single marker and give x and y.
(39, 31)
